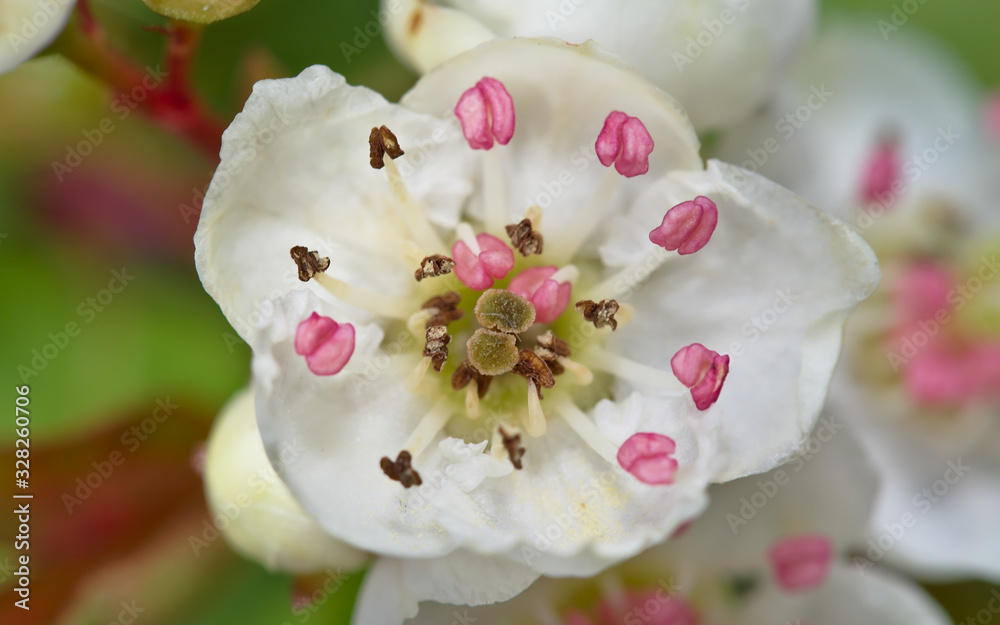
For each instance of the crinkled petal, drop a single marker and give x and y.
(253, 508)
(772, 292)
(720, 58)
(295, 171)
(394, 587)
(559, 117)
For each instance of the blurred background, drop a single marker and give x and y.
(127, 358)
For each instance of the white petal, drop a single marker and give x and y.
(394, 586)
(28, 26)
(252, 507)
(551, 160)
(424, 35)
(773, 259)
(850, 89)
(719, 58)
(849, 597)
(295, 171)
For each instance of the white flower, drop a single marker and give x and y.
(253, 509)
(773, 548)
(470, 494)
(899, 151)
(721, 59)
(27, 26)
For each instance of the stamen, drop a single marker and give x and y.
(687, 227)
(308, 262)
(524, 238)
(418, 321)
(434, 266)
(466, 373)
(494, 192)
(647, 456)
(492, 353)
(801, 562)
(382, 141)
(504, 311)
(512, 443)
(580, 229)
(375, 303)
(628, 278)
(555, 352)
(472, 402)
(534, 215)
(580, 373)
(883, 172)
(535, 424)
(701, 370)
(436, 347)
(481, 259)
(622, 367)
(413, 215)
(401, 470)
(467, 235)
(326, 344)
(486, 112)
(599, 313)
(625, 142)
(443, 309)
(547, 288)
(416, 377)
(588, 432)
(429, 426)
(531, 366)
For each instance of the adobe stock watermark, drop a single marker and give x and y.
(122, 106)
(761, 323)
(958, 297)
(901, 14)
(30, 27)
(714, 29)
(305, 606)
(922, 502)
(768, 488)
(786, 126)
(87, 310)
(986, 615)
(373, 29)
(913, 170)
(131, 439)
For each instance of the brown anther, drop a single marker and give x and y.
(466, 373)
(434, 266)
(550, 348)
(532, 367)
(524, 239)
(601, 313)
(444, 309)
(309, 263)
(436, 346)
(401, 471)
(381, 141)
(513, 446)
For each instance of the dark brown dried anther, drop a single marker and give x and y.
(401, 471)
(436, 346)
(514, 449)
(524, 239)
(466, 373)
(444, 308)
(550, 348)
(532, 367)
(434, 266)
(309, 262)
(381, 141)
(599, 313)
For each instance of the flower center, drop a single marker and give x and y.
(495, 319)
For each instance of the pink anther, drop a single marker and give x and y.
(549, 297)
(701, 370)
(625, 142)
(687, 227)
(486, 112)
(326, 344)
(801, 562)
(478, 271)
(648, 457)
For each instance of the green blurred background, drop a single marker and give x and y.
(131, 207)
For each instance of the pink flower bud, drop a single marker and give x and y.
(701, 370)
(647, 456)
(486, 112)
(326, 344)
(625, 142)
(549, 297)
(687, 227)
(477, 271)
(801, 562)
(883, 171)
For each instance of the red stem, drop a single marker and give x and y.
(168, 97)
